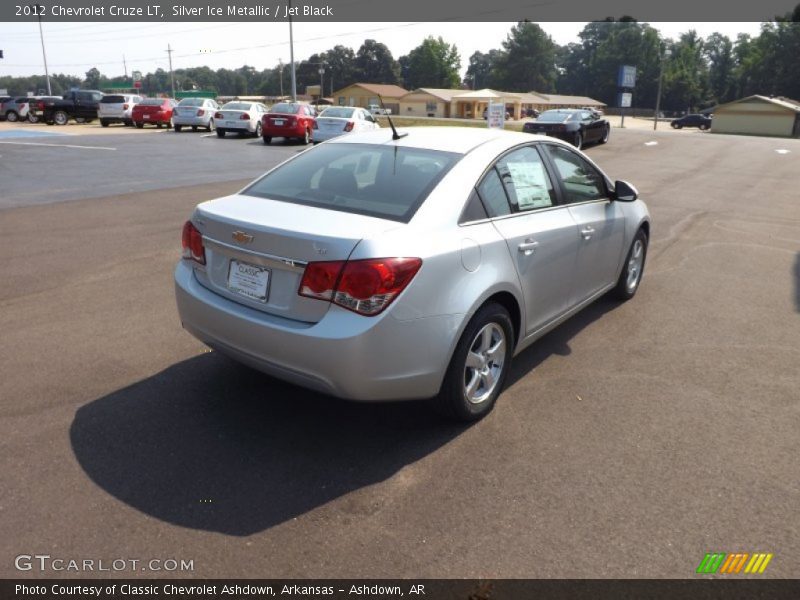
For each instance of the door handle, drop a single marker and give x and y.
(587, 232)
(528, 247)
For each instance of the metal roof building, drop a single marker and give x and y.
(758, 115)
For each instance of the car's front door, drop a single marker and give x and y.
(541, 236)
(601, 222)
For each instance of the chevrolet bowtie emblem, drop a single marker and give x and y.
(242, 237)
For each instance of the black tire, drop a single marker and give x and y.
(306, 137)
(32, 118)
(627, 284)
(703, 127)
(194, 127)
(178, 128)
(104, 123)
(220, 133)
(169, 123)
(60, 117)
(12, 116)
(210, 127)
(606, 135)
(258, 130)
(452, 400)
(267, 139)
(159, 125)
(139, 125)
(128, 123)
(577, 140)
(677, 126)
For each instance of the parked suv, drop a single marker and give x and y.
(117, 108)
(701, 121)
(16, 109)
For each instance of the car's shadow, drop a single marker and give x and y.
(209, 444)
(212, 445)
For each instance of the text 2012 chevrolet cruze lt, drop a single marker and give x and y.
(380, 267)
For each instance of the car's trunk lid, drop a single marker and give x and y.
(257, 250)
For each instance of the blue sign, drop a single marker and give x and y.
(626, 77)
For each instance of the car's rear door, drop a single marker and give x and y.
(600, 222)
(541, 236)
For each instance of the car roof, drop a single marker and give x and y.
(460, 140)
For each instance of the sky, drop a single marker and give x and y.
(74, 48)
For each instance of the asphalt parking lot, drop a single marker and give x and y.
(629, 442)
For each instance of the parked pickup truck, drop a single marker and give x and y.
(376, 109)
(80, 105)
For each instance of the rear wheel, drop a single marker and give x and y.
(210, 126)
(479, 365)
(104, 122)
(32, 118)
(631, 275)
(80, 119)
(258, 129)
(220, 133)
(676, 125)
(60, 117)
(12, 116)
(177, 128)
(194, 127)
(703, 127)
(267, 139)
(139, 125)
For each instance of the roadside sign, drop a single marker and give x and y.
(136, 76)
(626, 77)
(625, 99)
(137, 84)
(496, 115)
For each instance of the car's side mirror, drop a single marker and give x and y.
(625, 192)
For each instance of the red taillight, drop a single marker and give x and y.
(244, 117)
(200, 112)
(218, 115)
(124, 107)
(349, 126)
(41, 106)
(366, 287)
(192, 242)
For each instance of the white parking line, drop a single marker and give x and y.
(783, 151)
(651, 143)
(58, 145)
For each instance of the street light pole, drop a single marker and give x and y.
(321, 73)
(291, 56)
(664, 56)
(44, 55)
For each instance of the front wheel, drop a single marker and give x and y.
(258, 130)
(60, 117)
(32, 118)
(703, 127)
(479, 366)
(676, 125)
(606, 135)
(632, 270)
(177, 128)
(139, 125)
(577, 141)
(267, 139)
(220, 133)
(210, 126)
(12, 117)
(104, 122)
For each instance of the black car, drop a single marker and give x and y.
(577, 127)
(701, 121)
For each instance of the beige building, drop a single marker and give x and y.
(544, 102)
(758, 115)
(427, 102)
(364, 94)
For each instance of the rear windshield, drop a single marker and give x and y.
(112, 100)
(554, 117)
(343, 113)
(22, 100)
(237, 106)
(191, 102)
(286, 109)
(153, 101)
(375, 180)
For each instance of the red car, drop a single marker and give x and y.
(157, 111)
(288, 120)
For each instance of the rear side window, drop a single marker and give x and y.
(387, 182)
(525, 179)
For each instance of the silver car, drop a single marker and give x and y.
(379, 266)
(194, 113)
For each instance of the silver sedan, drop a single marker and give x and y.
(379, 266)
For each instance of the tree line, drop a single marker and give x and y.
(695, 73)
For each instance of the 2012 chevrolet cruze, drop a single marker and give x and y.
(379, 266)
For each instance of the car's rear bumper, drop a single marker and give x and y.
(285, 132)
(344, 354)
(193, 121)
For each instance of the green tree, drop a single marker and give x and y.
(480, 69)
(527, 60)
(339, 68)
(434, 63)
(375, 64)
(93, 79)
(718, 50)
(686, 75)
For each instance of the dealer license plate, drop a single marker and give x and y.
(248, 280)
(278, 121)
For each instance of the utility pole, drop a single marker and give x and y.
(125, 65)
(664, 56)
(44, 56)
(291, 56)
(171, 77)
(280, 66)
